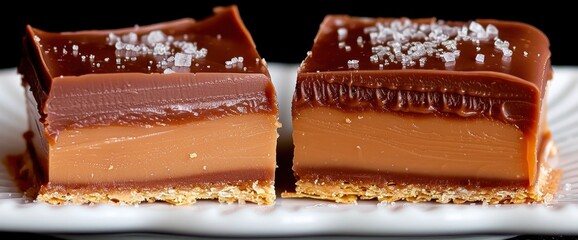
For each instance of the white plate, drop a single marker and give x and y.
(292, 217)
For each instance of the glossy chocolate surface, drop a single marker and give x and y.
(344, 69)
(168, 73)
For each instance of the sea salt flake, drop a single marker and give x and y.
(492, 31)
(374, 58)
(341, 34)
(131, 38)
(476, 27)
(112, 38)
(360, 41)
(156, 36)
(480, 58)
(161, 49)
(353, 64)
(449, 57)
(422, 61)
(119, 45)
(168, 71)
(183, 60)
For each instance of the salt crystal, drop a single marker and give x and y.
(36, 38)
(112, 38)
(457, 53)
(341, 44)
(154, 37)
(201, 53)
(374, 58)
(119, 45)
(507, 52)
(219, 36)
(347, 48)
(476, 27)
(353, 63)
(183, 60)
(449, 57)
(341, 34)
(83, 58)
(492, 31)
(131, 38)
(525, 54)
(106, 59)
(360, 41)
(338, 22)
(422, 61)
(168, 71)
(161, 49)
(118, 60)
(480, 58)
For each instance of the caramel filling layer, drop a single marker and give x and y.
(325, 138)
(138, 154)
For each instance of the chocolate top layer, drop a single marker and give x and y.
(344, 40)
(486, 68)
(210, 45)
(168, 73)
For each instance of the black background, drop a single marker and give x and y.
(282, 30)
